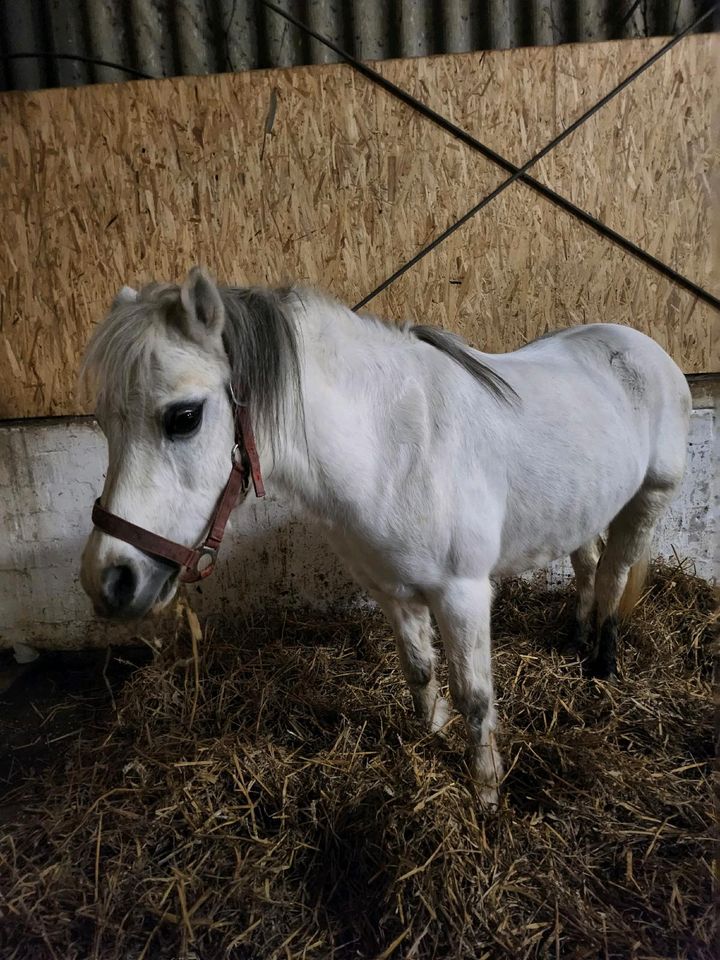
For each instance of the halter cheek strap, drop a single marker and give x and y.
(245, 441)
(196, 562)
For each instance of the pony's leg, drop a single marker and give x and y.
(629, 540)
(410, 621)
(584, 563)
(462, 611)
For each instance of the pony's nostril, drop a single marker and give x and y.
(118, 587)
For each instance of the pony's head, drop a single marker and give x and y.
(166, 364)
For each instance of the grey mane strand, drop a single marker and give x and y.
(456, 348)
(261, 341)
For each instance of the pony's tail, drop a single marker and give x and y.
(637, 578)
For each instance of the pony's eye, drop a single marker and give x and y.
(182, 420)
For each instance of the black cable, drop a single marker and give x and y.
(517, 173)
(72, 56)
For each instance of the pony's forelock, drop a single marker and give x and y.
(118, 363)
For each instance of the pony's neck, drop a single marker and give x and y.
(328, 447)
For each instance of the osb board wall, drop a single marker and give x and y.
(124, 183)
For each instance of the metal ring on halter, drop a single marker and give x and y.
(205, 569)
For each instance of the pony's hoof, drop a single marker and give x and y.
(606, 676)
(598, 669)
(487, 797)
(439, 718)
(591, 666)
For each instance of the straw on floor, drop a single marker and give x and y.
(264, 791)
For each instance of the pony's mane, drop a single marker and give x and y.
(459, 351)
(260, 339)
(448, 343)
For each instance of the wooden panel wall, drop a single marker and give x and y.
(116, 184)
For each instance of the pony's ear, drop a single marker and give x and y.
(125, 295)
(202, 306)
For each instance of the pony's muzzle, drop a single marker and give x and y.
(128, 587)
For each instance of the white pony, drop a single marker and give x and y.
(432, 466)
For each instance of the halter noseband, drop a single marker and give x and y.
(197, 562)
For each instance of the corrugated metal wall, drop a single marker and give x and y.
(172, 37)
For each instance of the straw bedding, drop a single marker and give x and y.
(263, 791)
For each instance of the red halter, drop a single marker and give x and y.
(197, 562)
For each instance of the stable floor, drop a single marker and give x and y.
(262, 790)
